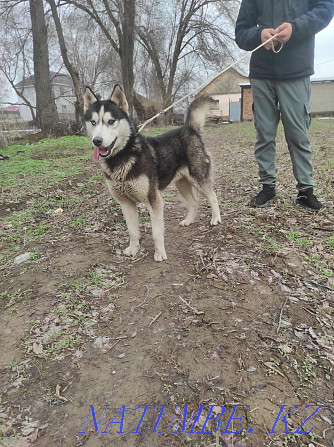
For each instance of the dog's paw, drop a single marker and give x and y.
(160, 256)
(186, 222)
(131, 251)
(215, 221)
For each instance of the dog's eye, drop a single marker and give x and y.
(93, 123)
(111, 122)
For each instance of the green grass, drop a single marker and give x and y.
(298, 238)
(42, 165)
(330, 243)
(80, 222)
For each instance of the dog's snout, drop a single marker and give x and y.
(97, 141)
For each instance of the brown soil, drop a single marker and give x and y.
(239, 314)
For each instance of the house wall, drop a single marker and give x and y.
(321, 102)
(224, 105)
(9, 116)
(30, 94)
(322, 98)
(64, 104)
(227, 83)
(246, 103)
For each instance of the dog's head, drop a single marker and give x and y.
(107, 122)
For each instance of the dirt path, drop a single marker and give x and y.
(236, 323)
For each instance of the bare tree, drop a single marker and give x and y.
(116, 18)
(176, 44)
(47, 115)
(89, 51)
(73, 71)
(16, 50)
(191, 31)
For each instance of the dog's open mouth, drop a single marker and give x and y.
(103, 151)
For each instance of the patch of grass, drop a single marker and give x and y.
(306, 373)
(80, 222)
(323, 268)
(43, 228)
(96, 279)
(42, 165)
(78, 286)
(254, 230)
(17, 219)
(63, 345)
(88, 189)
(144, 218)
(293, 439)
(271, 243)
(330, 243)
(11, 298)
(20, 369)
(298, 238)
(121, 222)
(97, 177)
(169, 196)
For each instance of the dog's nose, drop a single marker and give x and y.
(97, 141)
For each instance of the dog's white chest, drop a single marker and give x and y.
(136, 189)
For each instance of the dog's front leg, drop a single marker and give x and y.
(156, 211)
(130, 213)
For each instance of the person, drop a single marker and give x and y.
(280, 80)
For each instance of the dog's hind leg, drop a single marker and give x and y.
(186, 190)
(156, 211)
(209, 193)
(130, 212)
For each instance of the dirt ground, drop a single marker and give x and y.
(212, 347)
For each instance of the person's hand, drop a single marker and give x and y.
(284, 32)
(266, 34)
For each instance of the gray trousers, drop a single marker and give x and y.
(288, 99)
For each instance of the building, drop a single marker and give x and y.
(322, 97)
(321, 102)
(10, 113)
(63, 92)
(233, 92)
(246, 102)
(226, 90)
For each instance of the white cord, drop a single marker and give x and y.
(210, 80)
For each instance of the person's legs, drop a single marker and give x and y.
(266, 118)
(294, 100)
(294, 97)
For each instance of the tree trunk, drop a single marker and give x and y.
(47, 115)
(79, 106)
(126, 43)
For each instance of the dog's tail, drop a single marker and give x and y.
(197, 112)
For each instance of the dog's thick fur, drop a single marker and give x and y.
(137, 169)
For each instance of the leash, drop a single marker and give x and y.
(212, 79)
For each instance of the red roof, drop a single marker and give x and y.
(11, 108)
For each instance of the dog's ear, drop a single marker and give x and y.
(119, 98)
(89, 98)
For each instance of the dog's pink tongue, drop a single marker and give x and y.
(96, 154)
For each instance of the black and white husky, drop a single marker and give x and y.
(138, 168)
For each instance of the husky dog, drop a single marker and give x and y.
(138, 168)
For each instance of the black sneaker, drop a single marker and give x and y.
(308, 200)
(267, 195)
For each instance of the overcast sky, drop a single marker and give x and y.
(324, 53)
